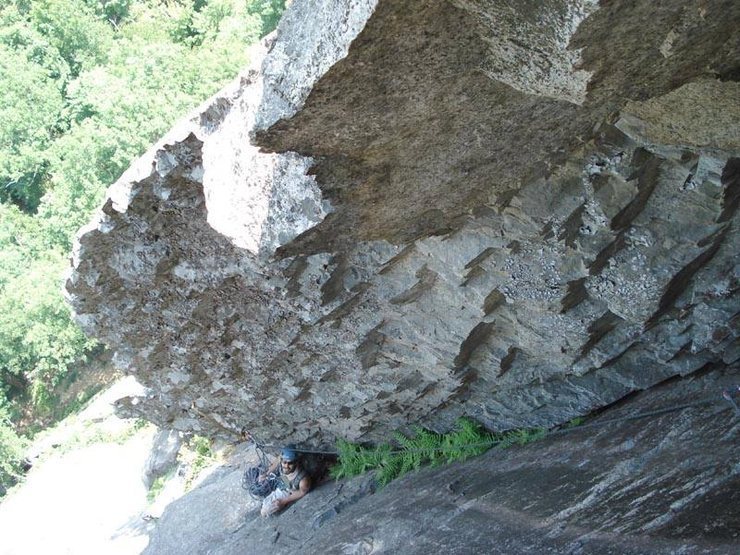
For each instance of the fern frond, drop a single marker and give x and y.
(424, 447)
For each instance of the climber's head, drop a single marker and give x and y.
(289, 458)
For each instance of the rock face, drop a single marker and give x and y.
(661, 484)
(408, 212)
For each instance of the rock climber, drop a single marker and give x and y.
(293, 482)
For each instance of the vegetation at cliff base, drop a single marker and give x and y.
(424, 448)
(87, 86)
(11, 452)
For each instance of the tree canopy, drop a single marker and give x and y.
(87, 86)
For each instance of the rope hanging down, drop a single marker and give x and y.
(259, 489)
(726, 394)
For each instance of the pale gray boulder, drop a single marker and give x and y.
(163, 456)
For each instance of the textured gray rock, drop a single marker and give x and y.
(663, 484)
(396, 221)
(205, 517)
(163, 456)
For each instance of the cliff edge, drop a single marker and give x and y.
(408, 212)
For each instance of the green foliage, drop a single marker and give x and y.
(21, 242)
(88, 86)
(355, 459)
(11, 451)
(30, 108)
(39, 343)
(518, 437)
(201, 457)
(201, 445)
(424, 448)
(38, 339)
(92, 433)
(269, 12)
(80, 37)
(573, 422)
(30, 45)
(112, 11)
(468, 439)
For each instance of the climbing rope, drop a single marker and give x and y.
(726, 394)
(257, 488)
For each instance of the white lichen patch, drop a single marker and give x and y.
(529, 47)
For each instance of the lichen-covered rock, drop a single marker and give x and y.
(408, 212)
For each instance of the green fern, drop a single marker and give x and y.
(352, 460)
(573, 422)
(424, 448)
(389, 466)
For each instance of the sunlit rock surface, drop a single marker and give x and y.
(407, 212)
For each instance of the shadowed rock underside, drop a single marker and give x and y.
(408, 212)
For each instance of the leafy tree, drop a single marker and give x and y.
(269, 12)
(17, 33)
(88, 85)
(39, 344)
(30, 111)
(118, 110)
(11, 451)
(112, 11)
(43, 44)
(21, 240)
(80, 37)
